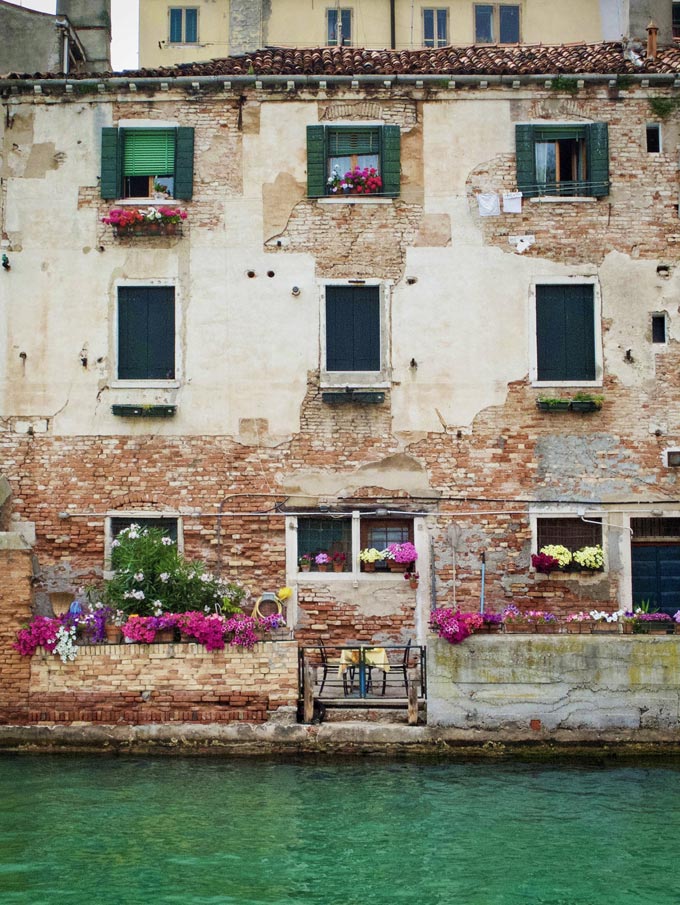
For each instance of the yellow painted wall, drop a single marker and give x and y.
(154, 28)
(302, 23)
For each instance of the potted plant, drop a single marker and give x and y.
(339, 560)
(579, 623)
(604, 622)
(558, 552)
(358, 181)
(305, 562)
(653, 623)
(399, 556)
(546, 623)
(322, 559)
(590, 559)
(543, 563)
(514, 620)
(412, 578)
(552, 404)
(492, 622)
(369, 556)
(586, 402)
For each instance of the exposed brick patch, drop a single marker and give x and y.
(15, 600)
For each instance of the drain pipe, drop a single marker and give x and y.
(393, 26)
(481, 599)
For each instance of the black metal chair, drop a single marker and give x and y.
(401, 666)
(328, 664)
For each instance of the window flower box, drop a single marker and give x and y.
(144, 411)
(550, 404)
(149, 221)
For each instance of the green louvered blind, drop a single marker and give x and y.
(565, 332)
(345, 142)
(149, 152)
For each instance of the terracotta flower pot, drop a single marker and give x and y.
(322, 566)
(370, 567)
(519, 627)
(547, 628)
(164, 637)
(338, 567)
(114, 634)
(395, 566)
(413, 583)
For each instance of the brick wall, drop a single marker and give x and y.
(136, 683)
(15, 607)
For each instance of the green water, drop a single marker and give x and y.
(201, 832)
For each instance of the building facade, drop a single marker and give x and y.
(207, 29)
(294, 369)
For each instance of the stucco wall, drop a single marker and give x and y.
(566, 682)
(30, 41)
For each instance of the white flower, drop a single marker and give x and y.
(115, 543)
(167, 541)
(139, 576)
(65, 647)
(164, 576)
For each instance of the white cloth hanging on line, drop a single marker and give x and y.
(512, 202)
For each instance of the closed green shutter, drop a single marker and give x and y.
(111, 169)
(598, 159)
(316, 161)
(146, 333)
(390, 160)
(352, 328)
(525, 160)
(184, 163)
(345, 142)
(565, 332)
(149, 152)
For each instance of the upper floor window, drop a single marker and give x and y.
(339, 26)
(676, 20)
(353, 328)
(435, 27)
(335, 151)
(146, 333)
(568, 159)
(183, 25)
(497, 23)
(565, 333)
(146, 162)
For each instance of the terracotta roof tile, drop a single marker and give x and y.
(478, 59)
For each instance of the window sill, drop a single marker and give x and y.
(577, 384)
(570, 576)
(563, 199)
(144, 384)
(316, 577)
(354, 199)
(359, 381)
(148, 202)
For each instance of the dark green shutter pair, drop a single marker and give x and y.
(334, 141)
(149, 152)
(146, 333)
(597, 156)
(352, 328)
(565, 332)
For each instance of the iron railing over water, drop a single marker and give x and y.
(379, 672)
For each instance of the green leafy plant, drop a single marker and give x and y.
(553, 401)
(589, 397)
(663, 106)
(152, 577)
(561, 83)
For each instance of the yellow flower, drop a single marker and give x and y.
(284, 593)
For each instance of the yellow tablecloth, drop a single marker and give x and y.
(373, 656)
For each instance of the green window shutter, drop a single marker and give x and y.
(184, 163)
(598, 159)
(352, 328)
(345, 142)
(316, 161)
(149, 152)
(390, 163)
(146, 333)
(565, 332)
(525, 160)
(111, 170)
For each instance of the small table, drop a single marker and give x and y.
(373, 657)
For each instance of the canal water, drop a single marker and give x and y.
(133, 831)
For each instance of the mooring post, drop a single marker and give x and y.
(412, 697)
(308, 694)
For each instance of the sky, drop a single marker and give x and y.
(124, 22)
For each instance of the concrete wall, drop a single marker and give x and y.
(154, 29)
(140, 683)
(566, 682)
(91, 20)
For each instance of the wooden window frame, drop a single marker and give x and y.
(145, 381)
(183, 39)
(588, 145)
(437, 41)
(356, 379)
(346, 41)
(318, 159)
(496, 23)
(359, 540)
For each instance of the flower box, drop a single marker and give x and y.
(557, 405)
(148, 228)
(585, 406)
(144, 411)
(519, 627)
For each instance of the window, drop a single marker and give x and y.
(676, 20)
(139, 162)
(572, 533)
(435, 27)
(565, 333)
(339, 26)
(563, 159)
(340, 148)
(353, 328)
(146, 333)
(496, 23)
(658, 328)
(183, 25)
(348, 535)
(653, 138)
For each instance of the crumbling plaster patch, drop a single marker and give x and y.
(279, 199)
(399, 472)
